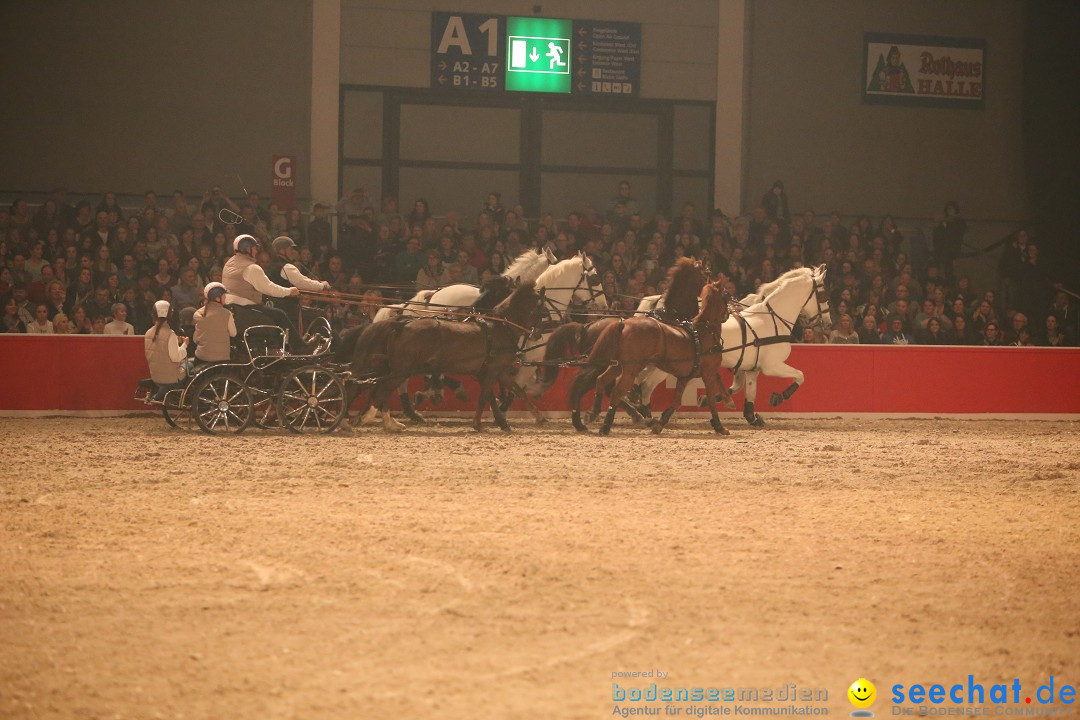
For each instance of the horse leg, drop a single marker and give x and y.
(659, 425)
(752, 417)
(506, 380)
(709, 374)
(578, 387)
(724, 394)
(382, 398)
(785, 370)
(486, 397)
(618, 394)
(459, 389)
(529, 402)
(655, 377)
(406, 403)
(604, 381)
(437, 382)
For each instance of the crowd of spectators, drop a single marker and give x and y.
(99, 270)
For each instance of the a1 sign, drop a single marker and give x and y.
(467, 51)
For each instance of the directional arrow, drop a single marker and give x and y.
(581, 72)
(581, 58)
(581, 86)
(582, 46)
(442, 65)
(534, 56)
(582, 32)
(442, 79)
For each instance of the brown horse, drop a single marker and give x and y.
(685, 280)
(626, 348)
(486, 349)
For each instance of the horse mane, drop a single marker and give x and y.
(681, 300)
(766, 289)
(557, 270)
(526, 266)
(508, 306)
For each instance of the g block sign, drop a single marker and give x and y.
(283, 182)
(928, 71)
(467, 51)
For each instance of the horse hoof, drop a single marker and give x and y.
(506, 429)
(775, 399)
(591, 417)
(757, 422)
(729, 404)
(541, 420)
(703, 401)
(605, 430)
(656, 427)
(417, 418)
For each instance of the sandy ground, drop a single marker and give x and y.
(148, 572)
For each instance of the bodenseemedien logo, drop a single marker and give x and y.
(862, 694)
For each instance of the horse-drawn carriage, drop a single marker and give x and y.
(261, 385)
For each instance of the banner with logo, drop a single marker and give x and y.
(283, 187)
(923, 70)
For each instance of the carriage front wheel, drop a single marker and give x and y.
(220, 403)
(312, 400)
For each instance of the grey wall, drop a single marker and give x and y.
(132, 95)
(807, 123)
(391, 46)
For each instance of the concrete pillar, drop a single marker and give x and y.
(325, 93)
(732, 104)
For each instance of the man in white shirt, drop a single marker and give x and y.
(119, 324)
(245, 284)
(284, 270)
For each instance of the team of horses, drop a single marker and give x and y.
(516, 333)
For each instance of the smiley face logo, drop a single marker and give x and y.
(862, 694)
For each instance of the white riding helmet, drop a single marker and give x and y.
(213, 291)
(241, 238)
(161, 309)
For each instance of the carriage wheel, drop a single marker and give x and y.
(312, 400)
(221, 404)
(172, 415)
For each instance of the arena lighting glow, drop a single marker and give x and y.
(538, 54)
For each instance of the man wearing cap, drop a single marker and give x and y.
(245, 284)
(285, 272)
(214, 326)
(164, 351)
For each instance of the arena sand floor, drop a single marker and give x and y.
(156, 573)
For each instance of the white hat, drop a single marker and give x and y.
(236, 241)
(213, 286)
(161, 308)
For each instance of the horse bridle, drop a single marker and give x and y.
(817, 291)
(590, 280)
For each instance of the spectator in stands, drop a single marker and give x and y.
(61, 324)
(982, 316)
(100, 305)
(119, 324)
(775, 204)
(896, 334)
(187, 292)
(949, 237)
(844, 332)
(11, 322)
(1018, 325)
(1053, 334)
(934, 333)
(430, 275)
(97, 326)
(163, 280)
(990, 334)
(868, 331)
(41, 323)
(23, 307)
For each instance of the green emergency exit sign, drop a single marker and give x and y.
(538, 54)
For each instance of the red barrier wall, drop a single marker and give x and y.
(81, 373)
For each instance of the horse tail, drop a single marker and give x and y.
(346, 343)
(604, 351)
(563, 344)
(607, 345)
(371, 349)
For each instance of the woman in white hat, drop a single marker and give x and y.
(214, 326)
(165, 352)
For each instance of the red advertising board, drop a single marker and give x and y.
(283, 185)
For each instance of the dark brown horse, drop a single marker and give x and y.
(487, 348)
(685, 281)
(624, 349)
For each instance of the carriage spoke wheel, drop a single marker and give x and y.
(173, 415)
(221, 404)
(311, 400)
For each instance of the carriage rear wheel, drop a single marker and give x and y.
(221, 403)
(173, 415)
(312, 400)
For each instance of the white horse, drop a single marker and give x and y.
(763, 348)
(461, 296)
(574, 280)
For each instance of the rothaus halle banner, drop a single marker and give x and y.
(921, 70)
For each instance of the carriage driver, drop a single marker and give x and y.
(245, 284)
(286, 271)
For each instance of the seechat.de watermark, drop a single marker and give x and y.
(972, 697)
